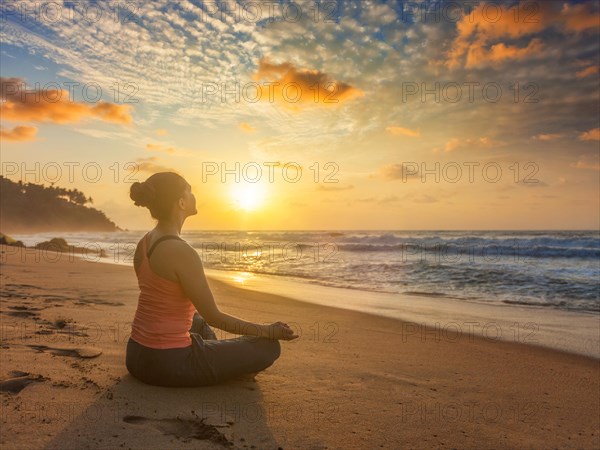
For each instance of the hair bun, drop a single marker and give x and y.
(143, 194)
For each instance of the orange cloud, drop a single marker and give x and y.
(397, 131)
(19, 134)
(501, 52)
(292, 87)
(579, 17)
(486, 24)
(161, 132)
(547, 137)
(587, 72)
(470, 143)
(591, 135)
(586, 165)
(53, 105)
(149, 165)
(247, 128)
(584, 162)
(451, 145)
(480, 33)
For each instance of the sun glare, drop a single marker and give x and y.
(248, 196)
(242, 277)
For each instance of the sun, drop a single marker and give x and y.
(248, 196)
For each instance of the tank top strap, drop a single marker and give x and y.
(158, 241)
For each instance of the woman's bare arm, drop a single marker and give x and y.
(190, 272)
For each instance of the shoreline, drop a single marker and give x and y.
(445, 318)
(569, 331)
(351, 377)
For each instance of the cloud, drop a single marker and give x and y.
(591, 135)
(377, 14)
(54, 105)
(159, 148)
(396, 172)
(592, 70)
(481, 32)
(531, 183)
(293, 86)
(585, 162)
(247, 128)
(128, 136)
(500, 52)
(586, 165)
(389, 199)
(397, 131)
(477, 29)
(483, 142)
(547, 137)
(19, 134)
(150, 165)
(451, 145)
(425, 198)
(111, 112)
(578, 18)
(161, 132)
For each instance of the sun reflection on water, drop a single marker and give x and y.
(242, 277)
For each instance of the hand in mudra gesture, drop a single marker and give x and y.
(279, 331)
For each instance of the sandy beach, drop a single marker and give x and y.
(352, 380)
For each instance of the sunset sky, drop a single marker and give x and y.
(338, 88)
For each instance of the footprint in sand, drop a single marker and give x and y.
(184, 429)
(59, 326)
(23, 308)
(18, 381)
(30, 286)
(86, 301)
(6, 294)
(49, 298)
(69, 333)
(79, 352)
(23, 314)
(23, 311)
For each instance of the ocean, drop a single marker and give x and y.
(545, 269)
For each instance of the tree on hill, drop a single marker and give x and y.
(29, 207)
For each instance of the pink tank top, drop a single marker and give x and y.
(164, 314)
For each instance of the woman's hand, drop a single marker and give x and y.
(279, 331)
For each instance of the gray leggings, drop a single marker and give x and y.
(206, 362)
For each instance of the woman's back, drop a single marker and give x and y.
(164, 313)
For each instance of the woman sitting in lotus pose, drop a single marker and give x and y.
(172, 343)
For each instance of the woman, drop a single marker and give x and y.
(171, 341)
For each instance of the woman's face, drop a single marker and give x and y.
(190, 202)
